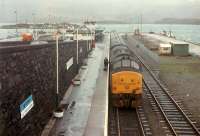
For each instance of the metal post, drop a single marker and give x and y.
(141, 26)
(33, 14)
(90, 43)
(57, 72)
(77, 46)
(16, 19)
(87, 40)
(92, 37)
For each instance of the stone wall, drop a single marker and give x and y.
(31, 70)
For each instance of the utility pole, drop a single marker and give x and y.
(57, 71)
(77, 47)
(16, 19)
(33, 15)
(141, 23)
(138, 24)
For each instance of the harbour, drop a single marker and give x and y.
(99, 68)
(88, 97)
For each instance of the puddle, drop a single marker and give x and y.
(72, 104)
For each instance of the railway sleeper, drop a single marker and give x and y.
(181, 125)
(173, 113)
(178, 122)
(170, 110)
(167, 106)
(187, 135)
(163, 98)
(176, 119)
(185, 132)
(183, 128)
(175, 116)
(166, 103)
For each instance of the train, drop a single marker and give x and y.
(126, 85)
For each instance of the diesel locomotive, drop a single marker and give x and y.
(125, 75)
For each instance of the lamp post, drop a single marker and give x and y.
(141, 25)
(77, 47)
(57, 72)
(33, 15)
(88, 33)
(16, 20)
(59, 111)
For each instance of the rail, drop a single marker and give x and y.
(122, 122)
(177, 130)
(127, 122)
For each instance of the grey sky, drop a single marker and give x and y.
(98, 9)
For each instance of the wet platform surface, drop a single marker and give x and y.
(86, 112)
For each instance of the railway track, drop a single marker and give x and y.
(128, 122)
(123, 122)
(177, 122)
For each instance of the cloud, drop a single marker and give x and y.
(99, 9)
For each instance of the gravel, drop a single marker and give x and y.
(181, 75)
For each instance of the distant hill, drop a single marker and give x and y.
(112, 22)
(195, 21)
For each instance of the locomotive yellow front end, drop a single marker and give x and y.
(125, 75)
(126, 89)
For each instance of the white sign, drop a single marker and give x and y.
(89, 46)
(81, 50)
(69, 63)
(26, 106)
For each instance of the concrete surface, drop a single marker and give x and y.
(85, 114)
(97, 122)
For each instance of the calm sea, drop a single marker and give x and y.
(183, 32)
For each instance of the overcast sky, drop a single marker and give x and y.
(73, 10)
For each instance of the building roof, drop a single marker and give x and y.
(165, 45)
(178, 42)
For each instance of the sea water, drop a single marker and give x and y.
(189, 33)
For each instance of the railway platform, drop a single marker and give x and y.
(86, 104)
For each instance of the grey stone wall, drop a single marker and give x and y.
(31, 69)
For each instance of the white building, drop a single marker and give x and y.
(165, 49)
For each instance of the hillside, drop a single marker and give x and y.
(194, 21)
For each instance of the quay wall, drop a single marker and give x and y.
(30, 70)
